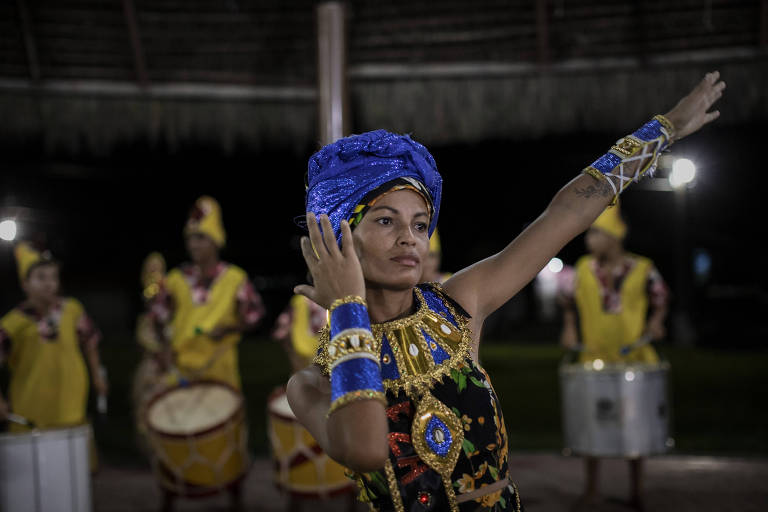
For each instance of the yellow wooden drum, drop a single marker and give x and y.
(198, 437)
(301, 468)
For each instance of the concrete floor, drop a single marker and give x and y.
(547, 483)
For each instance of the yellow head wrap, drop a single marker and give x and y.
(27, 257)
(152, 273)
(434, 242)
(206, 219)
(611, 222)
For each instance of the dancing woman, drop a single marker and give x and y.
(396, 393)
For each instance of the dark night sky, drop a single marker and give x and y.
(102, 217)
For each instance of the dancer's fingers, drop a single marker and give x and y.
(329, 237)
(309, 253)
(314, 235)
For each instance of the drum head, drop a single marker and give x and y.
(192, 409)
(279, 406)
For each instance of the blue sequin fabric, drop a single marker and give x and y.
(438, 436)
(349, 316)
(606, 163)
(355, 375)
(342, 173)
(649, 131)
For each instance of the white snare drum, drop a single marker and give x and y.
(615, 410)
(46, 471)
(198, 437)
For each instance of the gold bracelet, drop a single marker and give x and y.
(349, 299)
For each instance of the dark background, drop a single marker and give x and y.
(102, 216)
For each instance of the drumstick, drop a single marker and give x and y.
(643, 340)
(21, 420)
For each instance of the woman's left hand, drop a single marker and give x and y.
(336, 272)
(691, 112)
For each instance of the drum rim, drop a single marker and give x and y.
(661, 366)
(47, 432)
(217, 426)
(279, 391)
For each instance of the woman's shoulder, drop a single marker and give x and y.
(439, 301)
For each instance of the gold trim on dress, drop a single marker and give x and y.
(429, 410)
(412, 355)
(394, 490)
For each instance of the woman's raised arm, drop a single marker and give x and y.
(487, 285)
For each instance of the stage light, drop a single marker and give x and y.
(683, 172)
(8, 230)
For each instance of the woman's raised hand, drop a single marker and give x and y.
(336, 273)
(691, 112)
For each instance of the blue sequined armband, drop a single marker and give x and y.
(354, 355)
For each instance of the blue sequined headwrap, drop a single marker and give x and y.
(342, 173)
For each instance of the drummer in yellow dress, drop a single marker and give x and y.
(205, 306)
(43, 340)
(619, 301)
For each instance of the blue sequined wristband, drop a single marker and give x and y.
(353, 354)
(355, 379)
(350, 315)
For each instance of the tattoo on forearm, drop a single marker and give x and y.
(598, 190)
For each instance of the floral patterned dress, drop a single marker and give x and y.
(446, 431)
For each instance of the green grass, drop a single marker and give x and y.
(719, 397)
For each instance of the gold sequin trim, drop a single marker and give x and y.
(517, 496)
(417, 369)
(667, 124)
(448, 485)
(591, 171)
(430, 407)
(349, 299)
(394, 490)
(354, 396)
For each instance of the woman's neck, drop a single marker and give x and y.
(207, 267)
(386, 304)
(611, 258)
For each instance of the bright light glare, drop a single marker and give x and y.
(555, 265)
(598, 364)
(8, 230)
(683, 172)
